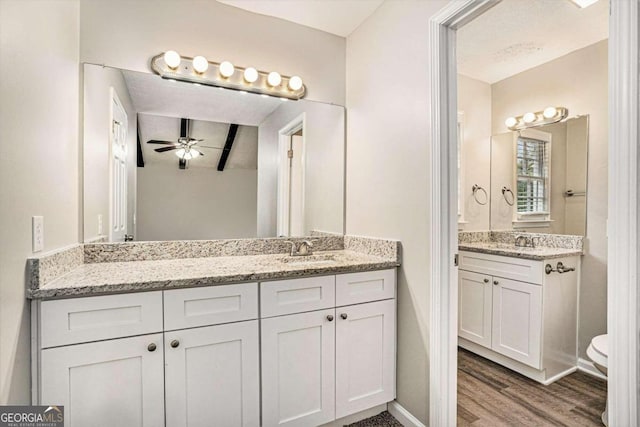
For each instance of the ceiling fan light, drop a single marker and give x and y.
(181, 152)
(172, 59)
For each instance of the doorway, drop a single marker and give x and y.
(118, 170)
(291, 179)
(622, 201)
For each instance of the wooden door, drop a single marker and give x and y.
(298, 368)
(106, 383)
(474, 307)
(211, 376)
(365, 356)
(517, 320)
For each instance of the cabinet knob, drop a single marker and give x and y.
(495, 282)
(344, 316)
(486, 280)
(175, 343)
(330, 317)
(152, 347)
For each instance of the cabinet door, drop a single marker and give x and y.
(517, 320)
(474, 307)
(106, 383)
(298, 368)
(365, 356)
(211, 376)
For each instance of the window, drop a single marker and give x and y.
(532, 169)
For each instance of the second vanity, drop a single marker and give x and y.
(232, 341)
(518, 305)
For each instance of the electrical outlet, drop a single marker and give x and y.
(37, 224)
(100, 224)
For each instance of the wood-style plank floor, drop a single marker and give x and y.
(491, 395)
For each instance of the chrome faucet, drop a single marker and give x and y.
(523, 241)
(304, 249)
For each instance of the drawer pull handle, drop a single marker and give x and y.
(495, 282)
(486, 280)
(175, 343)
(152, 347)
(330, 317)
(344, 316)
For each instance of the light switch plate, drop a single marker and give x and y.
(37, 229)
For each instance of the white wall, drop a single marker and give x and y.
(583, 90)
(474, 101)
(39, 157)
(324, 166)
(127, 33)
(196, 203)
(388, 134)
(98, 82)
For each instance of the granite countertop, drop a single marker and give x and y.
(508, 249)
(133, 276)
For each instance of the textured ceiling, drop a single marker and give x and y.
(339, 17)
(516, 35)
(244, 152)
(154, 95)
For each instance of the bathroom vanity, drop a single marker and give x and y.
(518, 306)
(243, 340)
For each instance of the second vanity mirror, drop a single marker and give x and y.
(168, 160)
(538, 180)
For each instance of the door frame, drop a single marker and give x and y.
(284, 134)
(623, 212)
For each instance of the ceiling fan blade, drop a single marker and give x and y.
(155, 141)
(163, 149)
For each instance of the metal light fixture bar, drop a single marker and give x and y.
(170, 65)
(540, 118)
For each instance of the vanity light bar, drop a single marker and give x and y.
(170, 65)
(528, 120)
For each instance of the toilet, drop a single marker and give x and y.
(598, 352)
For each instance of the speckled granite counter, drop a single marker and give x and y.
(548, 246)
(87, 277)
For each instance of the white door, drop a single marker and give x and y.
(517, 320)
(365, 356)
(474, 307)
(296, 189)
(118, 170)
(211, 376)
(298, 368)
(106, 383)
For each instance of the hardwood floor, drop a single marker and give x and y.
(491, 395)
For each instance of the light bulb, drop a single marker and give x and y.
(180, 153)
(511, 122)
(227, 69)
(192, 154)
(274, 79)
(295, 83)
(172, 59)
(200, 64)
(250, 75)
(529, 118)
(550, 112)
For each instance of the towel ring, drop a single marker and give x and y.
(476, 188)
(506, 190)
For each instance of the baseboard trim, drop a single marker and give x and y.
(402, 415)
(589, 368)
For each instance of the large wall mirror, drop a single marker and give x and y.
(166, 160)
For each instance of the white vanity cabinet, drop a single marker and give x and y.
(334, 361)
(512, 312)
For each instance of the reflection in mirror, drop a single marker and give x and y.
(539, 178)
(166, 160)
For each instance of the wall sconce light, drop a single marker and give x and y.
(199, 70)
(528, 120)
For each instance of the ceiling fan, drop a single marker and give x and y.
(186, 146)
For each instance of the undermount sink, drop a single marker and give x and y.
(310, 260)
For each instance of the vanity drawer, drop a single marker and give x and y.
(355, 288)
(189, 308)
(78, 320)
(297, 295)
(524, 270)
